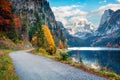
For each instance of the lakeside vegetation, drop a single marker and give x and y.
(63, 57)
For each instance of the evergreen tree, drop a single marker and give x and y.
(38, 32)
(31, 31)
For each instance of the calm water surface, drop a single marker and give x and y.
(97, 57)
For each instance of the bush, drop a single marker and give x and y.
(42, 51)
(64, 56)
(51, 50)
(111, 74)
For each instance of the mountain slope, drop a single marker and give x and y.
(111, 22)
(106, 16)
(72, 41)
(109, 31)
(27, 10)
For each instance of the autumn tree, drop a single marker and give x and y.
(17, 22)
(5, 13)
(50, 45)
(6, 20)
(61, 45)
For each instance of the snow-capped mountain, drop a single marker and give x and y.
(80, 29)
(72, 41)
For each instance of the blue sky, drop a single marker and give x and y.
(88, 4)
(88, 10)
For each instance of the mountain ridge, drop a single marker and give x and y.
(107, 35)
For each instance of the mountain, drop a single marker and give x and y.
(81, 29)
(107, 34)
(109, 30)
(26, 10)
(110, 22)
(106, 16)
(72, 41)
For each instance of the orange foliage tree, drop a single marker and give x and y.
(6, 20)
(17, 23)
(61, 45)
(50, 45)
(5, 12)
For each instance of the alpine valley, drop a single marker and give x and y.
(106, 35)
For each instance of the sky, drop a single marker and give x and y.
(89, 11)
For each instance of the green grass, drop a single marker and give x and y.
(6, 67)
(63, 57)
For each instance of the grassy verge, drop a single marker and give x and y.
(6, 67)
(63, 57)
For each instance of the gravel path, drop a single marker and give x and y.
(33, 67)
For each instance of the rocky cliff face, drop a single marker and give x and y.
(106, 16)
(26, 10)
(109, 30)
(110, 22)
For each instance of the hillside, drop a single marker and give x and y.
(27, 10)
(25, 18)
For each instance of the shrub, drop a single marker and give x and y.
(51, 50)
(111, 74)
(42, 51)
(64, 56)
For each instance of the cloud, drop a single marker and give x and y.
(101, 9)
(68, 14)
(118, 1)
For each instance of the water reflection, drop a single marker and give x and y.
(107, 57)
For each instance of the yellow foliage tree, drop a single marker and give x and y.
(50, 45)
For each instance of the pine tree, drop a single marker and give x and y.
(38, 33)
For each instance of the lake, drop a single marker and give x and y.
(97, 57)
